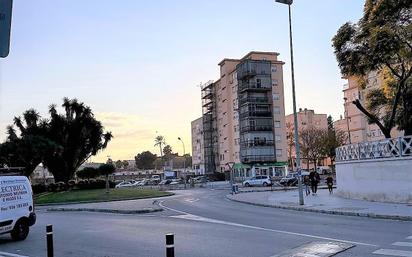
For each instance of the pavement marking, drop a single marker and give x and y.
(409, 237)
(4, 254)
(316, 249)
(392, 252)
(189, 216)
(191, 200)
(403, 244)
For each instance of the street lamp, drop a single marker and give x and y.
(184, 160)
(295, 116)
(347, 119)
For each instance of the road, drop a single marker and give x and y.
(207, 224)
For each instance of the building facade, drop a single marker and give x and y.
(244, 117)
(354, 122)
(198, 165)
(306, 119)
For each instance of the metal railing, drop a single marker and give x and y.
(385, 148)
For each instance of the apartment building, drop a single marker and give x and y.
(198, 152)
(306, 119)
(354, 122)
(244, 117)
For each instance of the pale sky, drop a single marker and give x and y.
(137, 63)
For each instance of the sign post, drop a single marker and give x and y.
(5, 26)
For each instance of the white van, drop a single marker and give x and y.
(16, 206)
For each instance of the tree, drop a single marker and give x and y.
(145, 160)
(332, 140)
(125, 164)
(78, 134)
(381, 41)
(27, 147)
(330, 123)
(160, 141)
(88, 173)
(106, 170)
(311, 144)
(119, 164)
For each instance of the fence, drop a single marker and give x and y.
(386, 148)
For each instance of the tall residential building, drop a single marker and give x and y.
(306, 119)
(355, 123)
(244, 116)
(198, 164)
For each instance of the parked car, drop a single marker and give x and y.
(126, 184)
(258, 181)
(289, 180)
(16, 204)
(165, 182)
(176, 181)
(323, 170)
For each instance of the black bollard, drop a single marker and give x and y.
(49, 236)
(170, 245)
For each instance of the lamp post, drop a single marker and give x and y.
(295, 116)
(347, 119)
(184, 160)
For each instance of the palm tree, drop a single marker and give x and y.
(160, 141)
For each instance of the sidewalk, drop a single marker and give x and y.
(139, 206)
(323, 202)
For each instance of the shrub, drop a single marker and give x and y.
(39, 188)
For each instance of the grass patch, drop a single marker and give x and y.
(98, 195)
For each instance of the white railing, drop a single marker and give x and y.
(387, 148)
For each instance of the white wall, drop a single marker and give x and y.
(386, 180)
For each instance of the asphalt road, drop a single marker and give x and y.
(206, 224)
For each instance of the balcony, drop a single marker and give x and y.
(265, 113)
(258, 100)
(257, 158)
(254, 86)
(250, 68)
(256, 128)
(257, 143)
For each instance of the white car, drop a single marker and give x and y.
(16, 205)
(262, 180)
(125, 184)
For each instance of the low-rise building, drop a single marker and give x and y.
(198, 165)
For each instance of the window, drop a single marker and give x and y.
(276, 110)
(274, 82)
(276, 97)
(278, 138)
(274, 68)
(277, 124)
(278, 152)
(258, 83)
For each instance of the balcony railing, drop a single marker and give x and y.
(256, 114)
(250, 85)
(257, 158)
(257, 143)
(386, 148)
(260, 100)
(256, 128)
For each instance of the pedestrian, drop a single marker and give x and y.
(329, 182)
(314, 180)
(306, 181)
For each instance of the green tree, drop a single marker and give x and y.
(167, 153)
(106, 170)
(78, 134)
(125, 164)
(27, 147)
(88, 173)
(311, 142)
(119, 164)
(145, 160)
(381, 41)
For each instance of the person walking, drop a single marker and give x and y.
(306, 181)
(329, 182)
(314, 181)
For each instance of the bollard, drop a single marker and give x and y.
(170, 245)
(49, 236)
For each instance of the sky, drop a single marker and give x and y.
(138, 63)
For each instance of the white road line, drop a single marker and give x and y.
(403, 244)
(189, 216)
(409, 237)
(3, 254)
(393, 252)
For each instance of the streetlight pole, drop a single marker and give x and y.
(184, 160)
(347, 119)
(295, 116)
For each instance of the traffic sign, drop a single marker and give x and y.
(5, 26)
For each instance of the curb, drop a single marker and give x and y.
(140, 211)
(101, 201)
(354, 214)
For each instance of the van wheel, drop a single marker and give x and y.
(265, 184)
(20, 231)
(247, 185)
